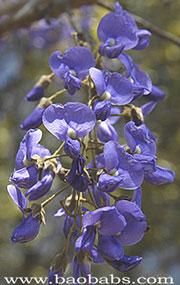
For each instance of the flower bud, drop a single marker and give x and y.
(60, 262)
(102, 110)
(27, 230)
(72, 148)
(156, 94)
(36, 93)
(34, 120)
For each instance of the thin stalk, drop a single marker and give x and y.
(92, 151)
(117, 115)
(59, 149)
(51, 75)
(51, 157)
(54, 195)
(91, 197)
(57, 94)
(66, 210)
(75, 38)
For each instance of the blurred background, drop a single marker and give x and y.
(24, 58)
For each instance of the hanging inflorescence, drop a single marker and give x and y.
(97, 221)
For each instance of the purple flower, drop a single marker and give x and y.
(73, 66)
(18, 197)
(135, 223)
(82, 268)
(126, 263)
(41, 187)
(101, 198)
(102, 109)
(142, 143)
(29, 227)
(72, 148)
(142, 84)
(140, 139)
(105, 130)
(95, 255)
(107, 220)
(114, 87)
(34, 120)
(156, 94)
(68, 222)
(26, 174)
(148, 107)
(86, 241)
(27, 230)
(36, 93)
(122, 169)
(73, 119)
(76, 177)
(118, 31)
(137, 196)
(160, 176)
(110, 248)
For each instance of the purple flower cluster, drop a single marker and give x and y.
(98, 220)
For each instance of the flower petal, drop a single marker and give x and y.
(34, 120)
(24, 177)
(133, 233)
(17, 196)
(41, 187)
(110, 156)
(98, 79)
(80, 118)
(54, 121)
(109, 247)
(27, 230)
(120, 88)
(160, 176)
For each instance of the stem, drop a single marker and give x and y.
(92, 198)
(91, 101)
(51, 157)
(75, 38)
(92, 151)
(92, 141)
(111, 195)
(95, 133)
(65, 209)
(54, 195)
(57, 94)
(115, 115)
(68, 239)
(90, 203)
(51, 75)
(116, 105)
(90, 89)
(59, 149)
(98, 58)
(80, 210)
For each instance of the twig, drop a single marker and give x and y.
(151, 27)
(54, 195)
